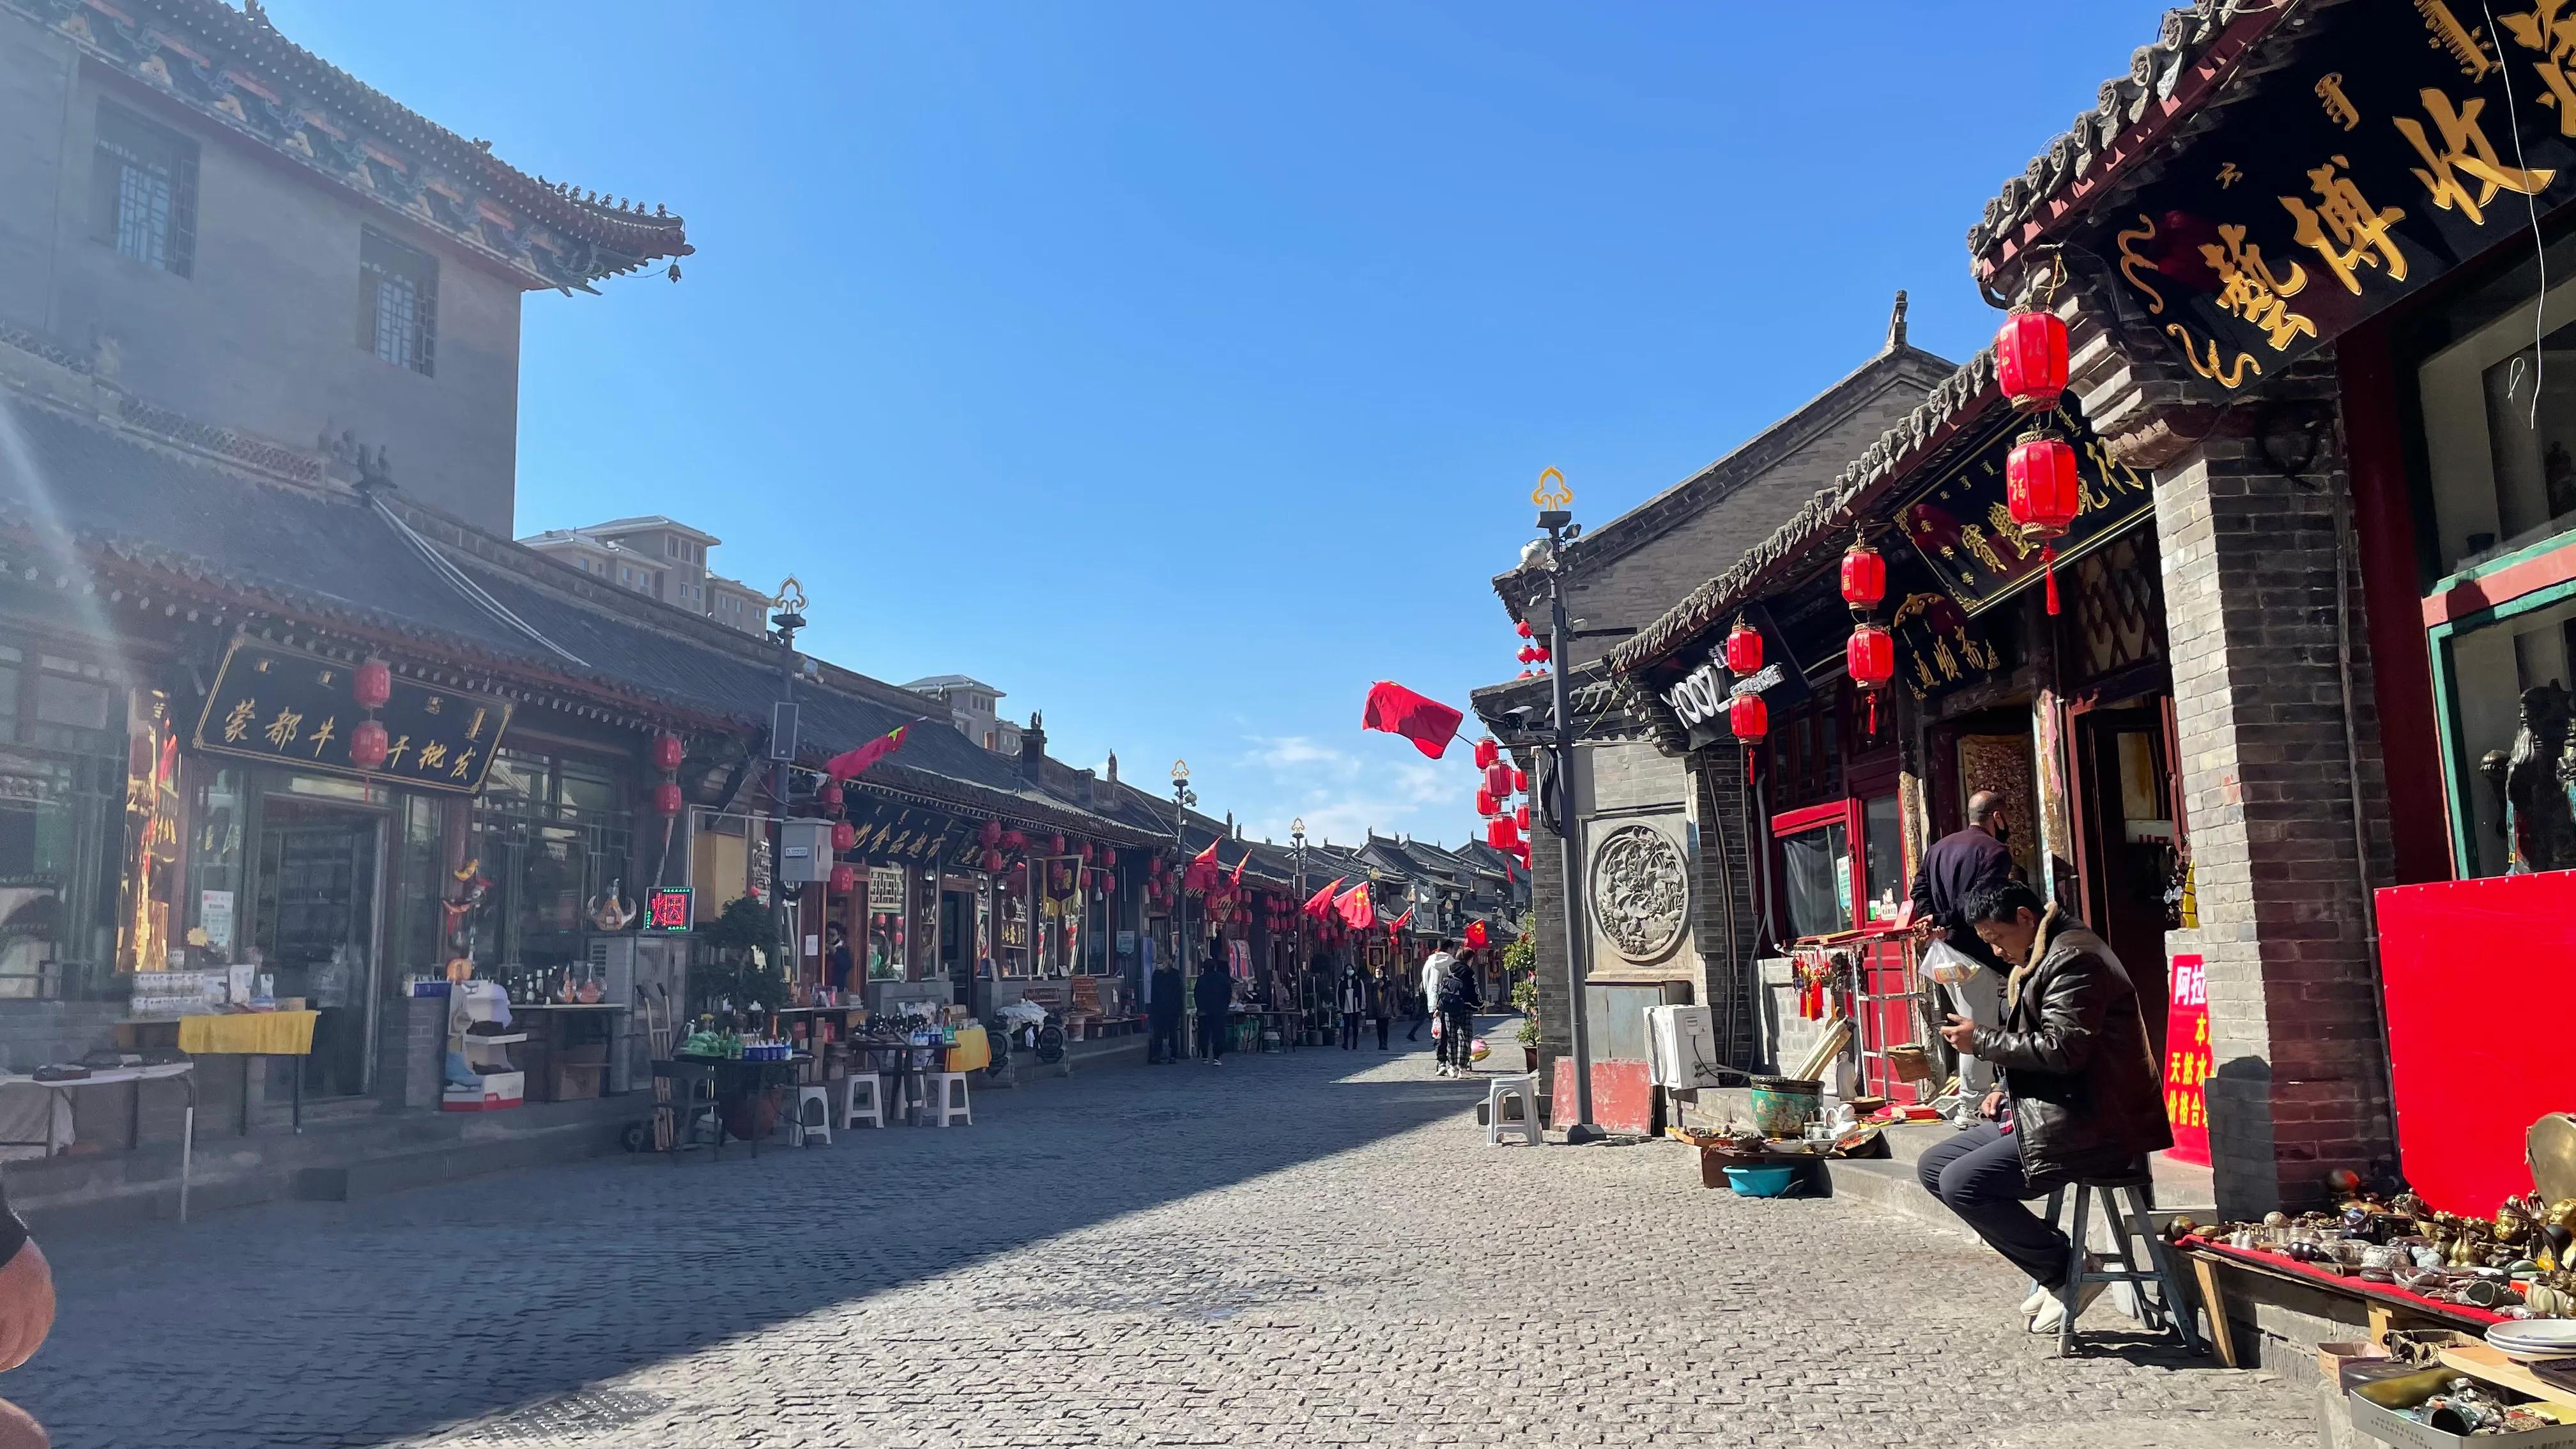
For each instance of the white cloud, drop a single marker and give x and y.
(1343, 795)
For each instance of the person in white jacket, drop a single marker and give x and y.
(1434, 966)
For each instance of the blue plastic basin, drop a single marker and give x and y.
(1760, 1181)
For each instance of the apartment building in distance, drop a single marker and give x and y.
(661, 558)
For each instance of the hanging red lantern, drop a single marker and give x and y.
(1085, 852)
(1486, 753)
(367, 745)
(845, 836)
(992, 861)
(1154, 866)
(2030, 360)
(1529, 654)
(1014, 840)
(1870, 656)
(1743, 649)
(844, 880)
(1494, 829)
(1749, 717)
(667, 752)
(666, 800)
(1055, 845)
(373, 684)
(1520, 782)
(1108, 857)
(1864, 576)
(1498, 779)
(1541, 650)
(990, 835)
(1486, 804)
(830, 796)
(1520, 816)
(2043, 495)
(1524, 627)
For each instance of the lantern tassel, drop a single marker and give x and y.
(2048, 563)
(1873, 714)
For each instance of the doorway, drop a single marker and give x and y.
(315, 927)
(2129, 838)
(956, 950)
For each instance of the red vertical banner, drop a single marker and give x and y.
(2187, 1059)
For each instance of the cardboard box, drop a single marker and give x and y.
(2390, 1427)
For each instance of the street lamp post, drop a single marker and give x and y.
(789, 618)
(1297, 897)
(1182, 800)
(1557, 521)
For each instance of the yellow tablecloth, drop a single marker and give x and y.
(257, 1033)
(973, 1052)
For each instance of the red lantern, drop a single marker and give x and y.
(1749, 717)
(1494, 829)
(990, 835)
(1014, 840)
(844, 880)
(1520, 816)
(1055, 845)
(1870, 656)
(1108, 858)
(1542, 652)
(1864, 576)
(1498, 780)
(2043, 495)
(1524, 627)
(1529, 654)
(2030, 360)
(845, 836)
(830, 796)
(374, 684)
(1520, 781)
(1486, 805)
(367, 745)
(1085, 852)
(1486, 753)
(667, 752)
(666, 800)
(1743, 649)
(992, 861)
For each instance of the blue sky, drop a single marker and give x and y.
(1183, 368)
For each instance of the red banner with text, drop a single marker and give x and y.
(2187, 1059)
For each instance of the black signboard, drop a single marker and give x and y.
(296, 709)
(1962, 530)
(669, 910)
(890, 833)
(2399, 141)
(1699, 689)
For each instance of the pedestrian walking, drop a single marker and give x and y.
(2080, 1096)
(1455, 993)
(1417, 1007)
(1164, 1000)
(1381, 1004)
(1354, 997)
(1216, 1005)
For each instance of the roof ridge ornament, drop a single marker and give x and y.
(1896, 324)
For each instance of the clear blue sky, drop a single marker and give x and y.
(1182, 368)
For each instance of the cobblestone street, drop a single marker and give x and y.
(1308, 1249)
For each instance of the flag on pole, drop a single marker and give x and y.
(1207, 857)
(1354, 908)
(1320, 904)
(1400, 920)
(1237, 881)
(843, 766)
(1397, 710)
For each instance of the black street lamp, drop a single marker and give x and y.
(1556, 521)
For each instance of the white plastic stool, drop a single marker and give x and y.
(946, 1102)
(817, 1124)
(1523, 1089)
(862, 1097)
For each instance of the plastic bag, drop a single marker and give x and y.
(1435, 1028)
(1947, 964)
(1479, 1051)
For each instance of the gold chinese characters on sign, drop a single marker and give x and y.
(300, 709)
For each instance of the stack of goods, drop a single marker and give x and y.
(2515, 1265)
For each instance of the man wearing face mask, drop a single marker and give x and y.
(1960, 867)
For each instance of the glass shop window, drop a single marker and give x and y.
(1883, 857)
(1816, 880)
(554, 835)
(2499, 676)
(61, 837)
(2499, 411)
(397, 302)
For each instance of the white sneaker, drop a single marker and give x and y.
(2051, 1317)
(2030, 1306)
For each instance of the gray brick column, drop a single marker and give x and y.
(2250, 566)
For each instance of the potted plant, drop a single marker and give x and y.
(1520, 967)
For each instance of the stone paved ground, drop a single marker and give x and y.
(1313, 1249)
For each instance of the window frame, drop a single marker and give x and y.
(382, 262)
(122, 141)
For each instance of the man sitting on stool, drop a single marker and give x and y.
(2079, 1097)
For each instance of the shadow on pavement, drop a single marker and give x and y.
(375, 1321)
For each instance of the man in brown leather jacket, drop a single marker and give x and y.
(2080, 1096)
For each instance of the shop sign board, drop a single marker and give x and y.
(2187, 1059)
(1962, 530)
(885, 888)
(1698, 695)
(908, 834)
(2398, 142)
(296, 709)
(670, 910)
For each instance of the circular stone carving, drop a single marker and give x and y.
(1640, 892)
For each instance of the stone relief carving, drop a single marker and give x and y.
(1640, 892)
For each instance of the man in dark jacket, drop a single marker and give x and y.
(1957, 869)
(2079, 1100)
(1163, 1005)
(1459, 999)
(1215, 991)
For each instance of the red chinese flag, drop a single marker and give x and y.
(1354, 908)
(1237, 880)
(1320, 904)
(843, 766)
(1400, 920)
(1475, 935)
(1207, 857)
(1397, 710)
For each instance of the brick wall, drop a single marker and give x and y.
(2250, 574)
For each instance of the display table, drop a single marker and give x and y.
(2385, 1303)
(248, 1034)
(184, 1073)
(729, 1082)
(560, 1040)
